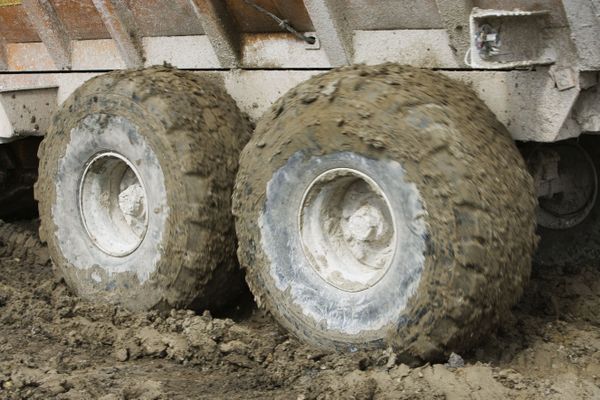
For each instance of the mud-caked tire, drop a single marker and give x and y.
(134, 191)
(384, 205)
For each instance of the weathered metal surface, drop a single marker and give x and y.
(81, 19)
(29, 57)
(526, 102)
(164, 18)
(194, 52)
(429, 48)
(332, 30)
(231, 23)
(28, 112)
(248, 20)
(454, 13)
(280, 50)
(555, 8)
(15, 27)
(517, 39)
(229, 34)
(587, 110)
(391, 14)
(50, 29)
(121, 25)
(220, 29)
(584, 19)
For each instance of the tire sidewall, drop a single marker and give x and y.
(437, 263)
(381, 304)
(96, 124)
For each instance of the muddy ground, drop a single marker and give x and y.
(54, 346)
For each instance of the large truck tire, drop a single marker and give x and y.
(134, 191)
(384, 205)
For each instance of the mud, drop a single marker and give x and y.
(53, 345)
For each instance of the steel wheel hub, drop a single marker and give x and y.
(113, 204)
(347, 229)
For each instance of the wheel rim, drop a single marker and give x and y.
(566, 183)
(113, 204)
(347, 230)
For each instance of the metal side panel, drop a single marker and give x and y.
(527, 103)
(27, 112)
(584, 20)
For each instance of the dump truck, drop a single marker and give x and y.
(379, 172)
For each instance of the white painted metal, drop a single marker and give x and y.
(527, 103)
(537, 105)
(529, 32)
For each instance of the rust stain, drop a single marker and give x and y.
(15, 26)
(256, 39)
(80, 19)
(249, 20)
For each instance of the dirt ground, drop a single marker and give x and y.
(54, 346)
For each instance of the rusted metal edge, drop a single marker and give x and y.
(220, 29)
(50, 29)
(120, 23)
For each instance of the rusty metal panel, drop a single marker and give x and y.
(80, 19)
(15, 27)
(248, 20)
(164, 18)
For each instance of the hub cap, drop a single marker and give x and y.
(113, 205)
(347, 230)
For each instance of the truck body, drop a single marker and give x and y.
(537, 74)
